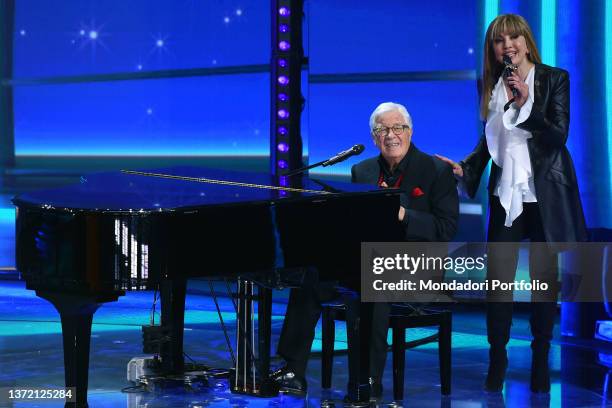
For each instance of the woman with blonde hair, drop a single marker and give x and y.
(533, 192)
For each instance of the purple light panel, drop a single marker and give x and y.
(283, 97)
(282, 130)
(283, 147)
(283, 80)
(284, 11)
(282, 164)
(283, 28)
(282, 63)
(283, 113)
(284, 45)
(283, 181)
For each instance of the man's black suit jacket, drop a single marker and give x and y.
(554, 176)
(432, 215)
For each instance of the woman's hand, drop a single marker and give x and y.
(522, 89)
(457, 169)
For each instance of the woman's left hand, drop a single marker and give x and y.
(522, 89)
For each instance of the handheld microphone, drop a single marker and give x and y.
(509, 67)
(353, 151)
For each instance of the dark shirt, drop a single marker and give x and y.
(395, 177)
(391, 178)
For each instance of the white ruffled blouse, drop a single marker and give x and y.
(508, 148)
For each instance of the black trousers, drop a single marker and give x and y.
(502, 263)
(303, 312)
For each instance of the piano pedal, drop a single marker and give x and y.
(189, 382)
(146, 375)
(330, 401)
(263, 389)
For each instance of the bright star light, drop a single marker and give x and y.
(139, 67)
(226, 20)
(160, 44)
(22, 32)
(238, 12)
(470, 50)
(91, 36)
(149, 111)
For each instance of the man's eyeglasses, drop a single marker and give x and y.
(382, 131)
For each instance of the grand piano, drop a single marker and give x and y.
(86, 244)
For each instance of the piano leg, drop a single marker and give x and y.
(76, 332)
(244, 380)
(172, 294)
(76, 313)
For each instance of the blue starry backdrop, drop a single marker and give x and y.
(228, 114)
(79, 89)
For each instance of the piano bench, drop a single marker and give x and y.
(402, 317)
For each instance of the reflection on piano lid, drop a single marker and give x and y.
(174, 188)
(131, 256)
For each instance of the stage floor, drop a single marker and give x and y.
(31, 356)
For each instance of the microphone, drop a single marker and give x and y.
(353, 151)
(509, 67)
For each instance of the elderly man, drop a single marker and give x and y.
(430, 205)
(429, 211)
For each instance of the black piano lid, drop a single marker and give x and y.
(131, 193)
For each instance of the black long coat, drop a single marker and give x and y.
(553, 170)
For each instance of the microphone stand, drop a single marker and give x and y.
(340, 157)
(303, 169)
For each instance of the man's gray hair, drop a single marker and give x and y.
(389, 107)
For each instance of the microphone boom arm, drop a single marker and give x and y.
(353, 151)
